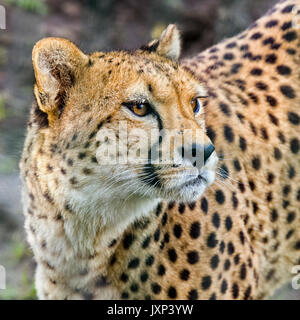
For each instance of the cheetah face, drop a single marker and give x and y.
(132, 123)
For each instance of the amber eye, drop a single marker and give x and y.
(140, 109)
(196, 104)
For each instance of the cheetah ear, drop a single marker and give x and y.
(56, 63)
(168, 45)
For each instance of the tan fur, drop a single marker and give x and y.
(238, 241)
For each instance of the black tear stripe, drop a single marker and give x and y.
(151, 177)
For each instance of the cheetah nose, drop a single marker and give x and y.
(208, 150)
(195, 150)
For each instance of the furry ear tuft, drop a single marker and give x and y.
(56, 62)
(168, 45)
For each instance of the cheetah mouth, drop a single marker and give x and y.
(195, 182)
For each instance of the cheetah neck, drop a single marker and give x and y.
(98, 221)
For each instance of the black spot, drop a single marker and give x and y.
(286, 190)
(273, 119)
(244, 47)
(113, 260)
(225, 109)
(192, 257)
(206, 282)
(237, 165)
(184, 274)
(220, 197)
(92, 135)
(271, 24)
(293, 118)
(284, 70)
(150, 260)
(181, 207)
(281, 137)
(277, 154)
(247, 293)
(134, 287)
(171, 205)
(128, 240)
(224, 286)
(290, 36)
(144, 276)
(124, 295)
(272, 101)
(252, 185)
(235, 291)
(134, 263)
(177, 230)
(271, 178)
(195, 230)
(158, 209)
(261, 86)
(211, 240)
(222, 247)
(243, 271)
(256, 36)
(156, 235)
(172, 293)
(204, 205)
(256, 163)
(295, 145)
(256, 72)
(213, 297)
(228, 133)
(230, 248)
(227, 264)
(172, 255)
(289, 234)
(228, 56)
(269, 40)
(214, 262)
(161, 270)
(228, 223)
(156, 288)
(216, 220)
(124, 277)
(243, 144)
(236, 68)
(164, 219)
(273, 215)
(291, 217)
(193, 294)
(292, 172)
(255, 207)
(231, 45)
(146, 242)
(271, 58)
(288, 9)
(297, 245)
(288, 91)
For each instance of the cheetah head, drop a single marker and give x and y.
(129, 125)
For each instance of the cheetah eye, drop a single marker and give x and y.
(197, 104)
(140, 109)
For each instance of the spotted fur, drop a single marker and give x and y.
(239, 240)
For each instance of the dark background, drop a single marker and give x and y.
(92, 25)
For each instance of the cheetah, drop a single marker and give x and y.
(228, 229)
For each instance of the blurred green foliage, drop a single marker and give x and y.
(2, 107)
(36, 6)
